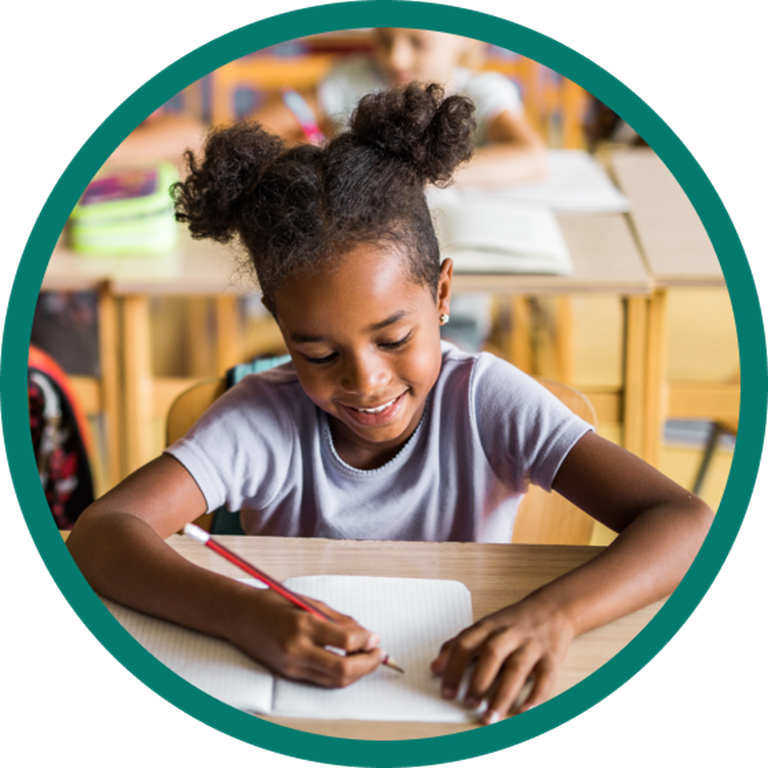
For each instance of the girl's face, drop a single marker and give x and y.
(365, 342)
(418, 55)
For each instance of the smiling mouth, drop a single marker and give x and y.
(377, 409)
(377, 416)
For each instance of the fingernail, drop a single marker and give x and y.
(373, 642)
(491, 717)
(447, 692)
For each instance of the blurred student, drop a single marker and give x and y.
(507, 150)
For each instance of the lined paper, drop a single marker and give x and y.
(413, 617)
(215, 666)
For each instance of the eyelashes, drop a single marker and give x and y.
(388, 346)
(397, 344)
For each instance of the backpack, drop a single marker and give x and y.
(61, 439)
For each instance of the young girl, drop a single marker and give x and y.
(376, 430)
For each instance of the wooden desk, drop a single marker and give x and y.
(678, 253)
(496, 575)
(605, 256)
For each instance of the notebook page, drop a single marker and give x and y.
(484, 233)
(215, 666)
(575, 183)
(413, 617)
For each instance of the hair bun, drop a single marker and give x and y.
(210, 198)
(419, 126)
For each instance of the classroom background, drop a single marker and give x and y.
(132, 332)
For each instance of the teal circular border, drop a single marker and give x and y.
(752, 350)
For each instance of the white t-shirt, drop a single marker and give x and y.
(488, 431)
(349, 80)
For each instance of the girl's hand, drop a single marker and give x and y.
(295, 643)
(500, 653)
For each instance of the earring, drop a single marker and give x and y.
(444, 319)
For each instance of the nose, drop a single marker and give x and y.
(364, 375)
(399, 56)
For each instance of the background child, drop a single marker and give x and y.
(375, 430)
(508, 148)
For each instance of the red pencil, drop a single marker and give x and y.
(203, 537)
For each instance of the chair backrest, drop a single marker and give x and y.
(548, 518)
(543, 518)
(190, 405)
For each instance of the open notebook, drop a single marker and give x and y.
(412, 616)
(575, 183)
(489, 234)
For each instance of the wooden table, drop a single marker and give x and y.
(496, 575)
(604, 253)
(678, 253)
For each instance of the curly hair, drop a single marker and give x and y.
(296, 209)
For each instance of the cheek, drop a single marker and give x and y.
(314, 383)
(423, 366)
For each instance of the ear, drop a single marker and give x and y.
(444, 288)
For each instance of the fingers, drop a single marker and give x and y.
(345, 634)
(300, 646)
(334, 653)
(509, 686)
(456, 656)
(508, 671)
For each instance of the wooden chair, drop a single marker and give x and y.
(543, 518)
(548, 518)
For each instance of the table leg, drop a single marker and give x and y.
(635, 359)
(229, 333)
(200, 354)
(110, 382)
(519, 340)
(137, 377)
(655, 377)
(563, 333)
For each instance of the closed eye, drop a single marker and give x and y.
(320, 360)
(396, 344)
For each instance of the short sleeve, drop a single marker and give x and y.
(241, 448)
(493, 93)
(525, 431)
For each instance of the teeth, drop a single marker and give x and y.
(377, 410)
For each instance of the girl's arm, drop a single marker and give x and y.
(661, 527)
(118, 544)
(515, 153)
(275, 116)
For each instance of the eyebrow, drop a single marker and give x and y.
(303, 338)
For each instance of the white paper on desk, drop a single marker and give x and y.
(488, 234)
(215, 666)
(575, 183)
(412, 616)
